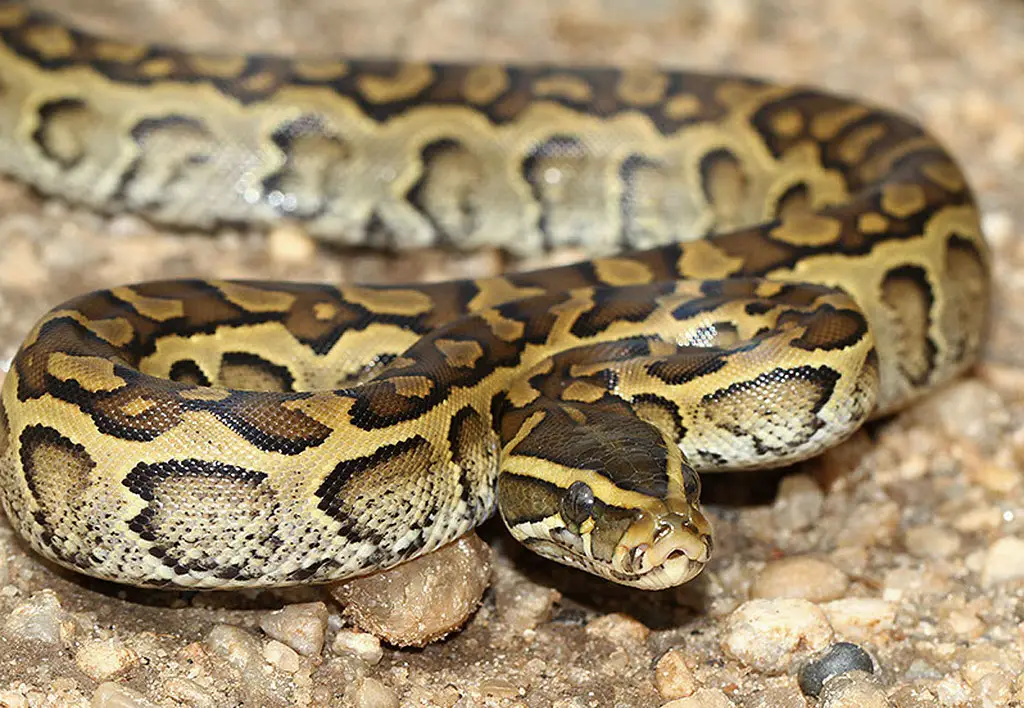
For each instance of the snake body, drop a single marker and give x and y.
(793, 263)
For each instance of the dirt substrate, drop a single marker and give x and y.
(915, 553)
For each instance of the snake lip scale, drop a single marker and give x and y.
(770, 267)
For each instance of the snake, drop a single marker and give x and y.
(768, 267)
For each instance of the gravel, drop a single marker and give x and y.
(923, 515)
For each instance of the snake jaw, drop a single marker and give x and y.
(664, 551)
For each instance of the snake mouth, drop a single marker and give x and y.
(661, 553)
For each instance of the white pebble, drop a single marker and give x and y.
(673, 677)
(1003, 561)
(302, 627)
(281, 656)
(861, 618)
(374, 694)
(618, 628)
(114, 695)
(798, 503)
(39, 618)
(855, 689)
(932, 541)
(240, 648)
(362, 644)
(105, 659)
(800, 576)
(772, 635)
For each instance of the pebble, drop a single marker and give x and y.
(372, 693)
(932, 541)
(240, 648)
(189, 693)
(361, 644)
(302, 627)
(11, 699)
(800, 577)
(281, 656)
(952, 690)
(872, 523)
(704, 698)
(105, 659)
(618, 628)
(787, 696)
(290, 244)
(422, 600)
(861, 618)
(1003, 561)
(837, 660)
(772, 635)
(965, 624)
(499, 688)
(39, 618)
(673, 677)
(855, 689)
(798, 503)
(523, 605)
(114, 695)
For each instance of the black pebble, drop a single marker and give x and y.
(837, 659)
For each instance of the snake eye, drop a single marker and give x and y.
(577, 503)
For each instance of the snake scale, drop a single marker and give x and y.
(771, 266)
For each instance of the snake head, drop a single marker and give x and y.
(631, 514)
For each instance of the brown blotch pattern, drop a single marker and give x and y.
(908, 297)
(775, 412)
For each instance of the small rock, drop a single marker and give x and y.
(290, 244)
(798, 504)
(861, 618)
(855, 689)
(1004, 561)
(872, 523)
(362, 644)
(704, 698)
(787, 696)
(281, 656)
(189, 693)
(673, 677)
(105, 659)
(12, 699)
(114, 695)
(39, 618)
(422, 600)
(240, 648)
(802, 577)
(374, 694)
(952, 691)
(932, 541)
(771, 635)
(618, 628)
(302, 627)
(837, 660)
(966, 624)
(499, 688)
(524, 605)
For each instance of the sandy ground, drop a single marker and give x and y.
(915, 553)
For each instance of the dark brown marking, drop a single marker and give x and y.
(189, 372)
(248, 372)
